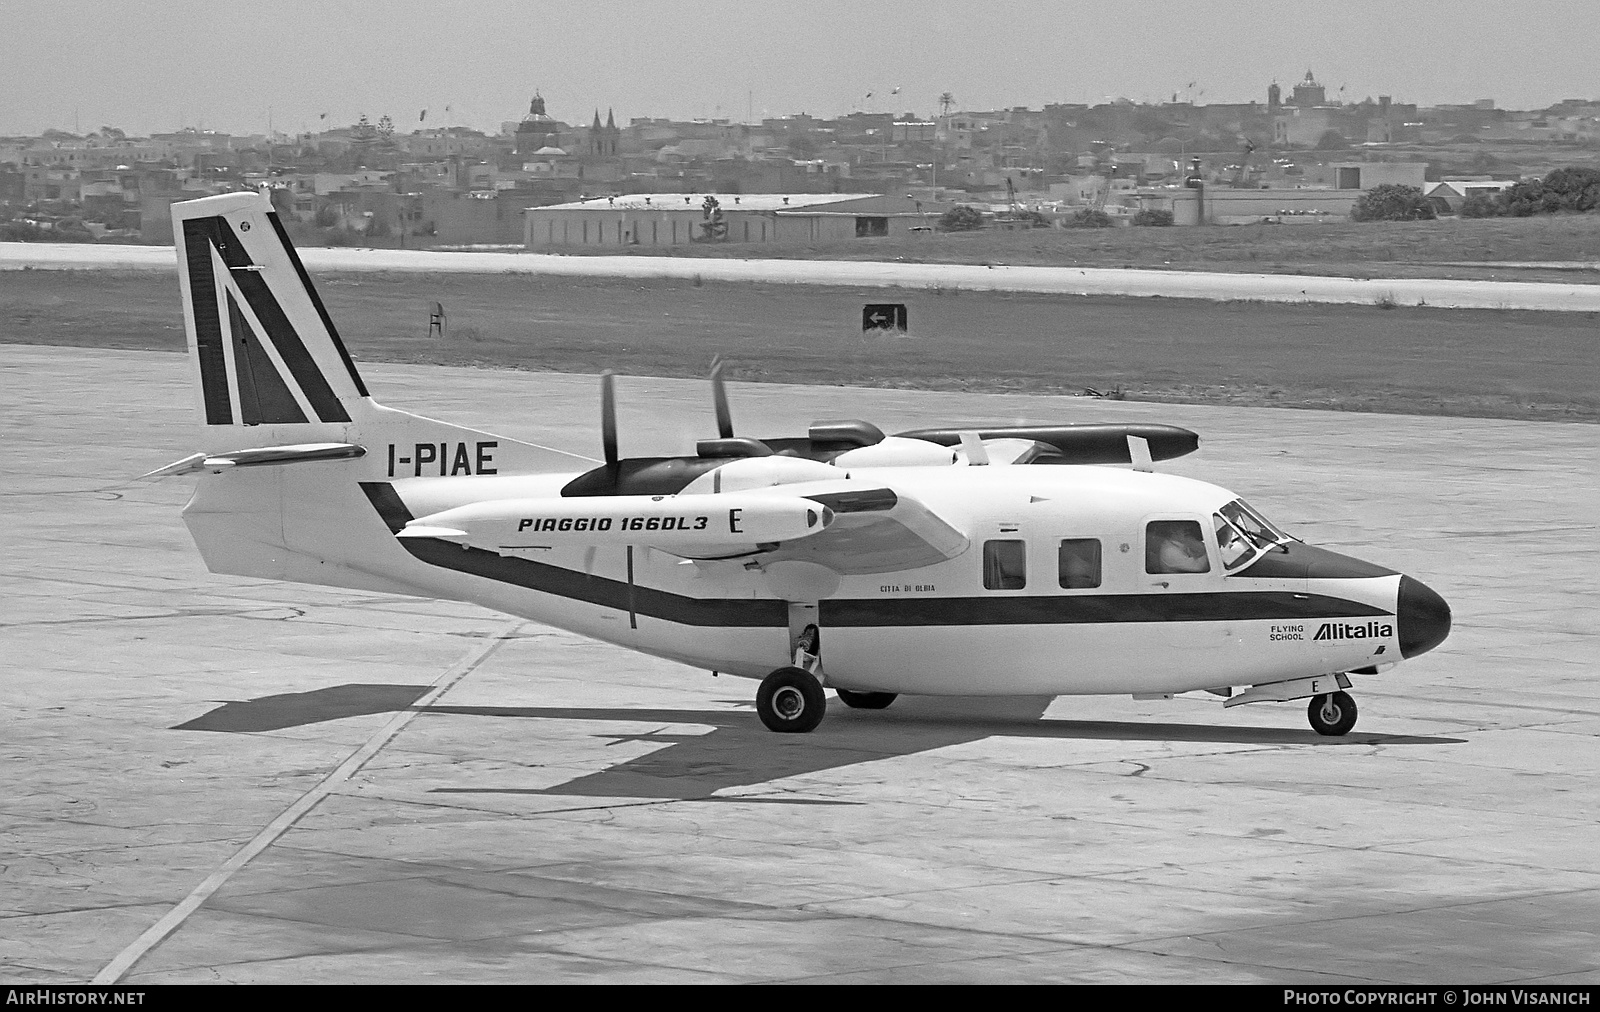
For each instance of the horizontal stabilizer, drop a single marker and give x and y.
(425, 531)
(188, 465)
(299, 453)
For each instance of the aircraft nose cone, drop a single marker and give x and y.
(1423, 617)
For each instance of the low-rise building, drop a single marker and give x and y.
(675, 219)
(1366, 175)
(1448, 195)
(1221, 205)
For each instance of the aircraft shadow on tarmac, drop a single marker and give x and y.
(740, 752)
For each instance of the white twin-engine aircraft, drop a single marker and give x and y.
(941, 561)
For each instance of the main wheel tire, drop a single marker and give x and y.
(1332, 714)
(791, 701)
(866, 700)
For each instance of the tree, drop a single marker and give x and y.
(1332, 140)
(1153, 216)
(1392, 202)
(1481, 205)
(961, 218)
(802, 145)
(1090, 218)
(1569, 189)
(21, 231)
(282, 201)
(712, 227)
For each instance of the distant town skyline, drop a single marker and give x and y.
(79, 64)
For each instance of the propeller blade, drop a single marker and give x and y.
(719, 397)
(608, 415)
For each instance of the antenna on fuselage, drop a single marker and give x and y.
(608, 416)
(1139, 454)
(719, 399)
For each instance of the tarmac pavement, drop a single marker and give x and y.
(440, 794)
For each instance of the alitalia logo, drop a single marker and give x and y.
(1348, 631)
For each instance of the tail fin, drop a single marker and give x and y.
(265, 348)
(273, 372)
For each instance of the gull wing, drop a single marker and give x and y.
(875, 531)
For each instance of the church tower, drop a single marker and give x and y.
(603, 138)
(1309, 93)
(537, 130)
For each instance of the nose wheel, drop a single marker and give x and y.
(791, 701)
(1333, 713)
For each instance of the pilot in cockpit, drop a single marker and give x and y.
(1175, 546)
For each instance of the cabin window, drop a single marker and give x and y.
(1005, 565)
(1235, 547)
(1175, 546)
(1078, 563)
(1252, 524)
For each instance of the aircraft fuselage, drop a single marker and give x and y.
(954, 627)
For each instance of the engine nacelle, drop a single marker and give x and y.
(671, 523)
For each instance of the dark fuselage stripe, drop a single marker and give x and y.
(1083, 609)
(617, 594)
(389, 505)
(1090, 609)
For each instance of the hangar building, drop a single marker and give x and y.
(675, 219)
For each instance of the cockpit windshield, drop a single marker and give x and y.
(1242, 534)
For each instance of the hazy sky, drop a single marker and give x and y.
(148, 66)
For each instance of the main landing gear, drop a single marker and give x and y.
(1332, 713)
(866, 700)
(791, 700)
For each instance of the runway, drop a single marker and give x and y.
(548, 809)
(1438, 293)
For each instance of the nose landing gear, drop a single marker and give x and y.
(1332, 713)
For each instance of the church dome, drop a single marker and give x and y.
(537, 120)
